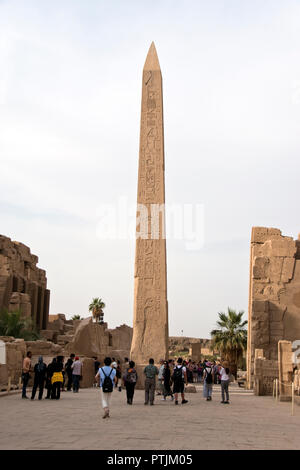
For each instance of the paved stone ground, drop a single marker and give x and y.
(75, 422)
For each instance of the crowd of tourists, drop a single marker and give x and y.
(173, 376)
(55, 377)
(59, 375)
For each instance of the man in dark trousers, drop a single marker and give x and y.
(25, 373)
(150, 371)
(39, 378)
(68, 368)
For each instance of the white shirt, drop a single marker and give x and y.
(208, 370)
(161, 371)
(223, 374)
(180, 366)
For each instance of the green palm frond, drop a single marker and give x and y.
(96, 303)
(231, 333)
(14, 324)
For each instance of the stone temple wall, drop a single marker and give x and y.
(265, 372)
(22, 284)
(274, 294)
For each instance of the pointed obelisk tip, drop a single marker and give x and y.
(152, 62)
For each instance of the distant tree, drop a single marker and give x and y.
(230, 339)
(14, 324)
(96, 307)
(76, 317)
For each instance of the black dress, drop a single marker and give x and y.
(167, 382)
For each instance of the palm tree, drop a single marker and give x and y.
(13, 324)
(231, 337)
(76, 317)
(96, 307)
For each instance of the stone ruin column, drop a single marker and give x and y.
(150, 322)
(285, 367)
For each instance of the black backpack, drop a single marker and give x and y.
(177, 374)
(208, 378)
(107, 386)
(131, 376)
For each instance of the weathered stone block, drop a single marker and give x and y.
(18, 273)
(93, 339)
(88, 372)
(285, 369)
(258, 289)
(64, 339)
(276, 312)
(259, 353)
(15, 352)
(190, 389)
(275, 269)
(274, 338)
(259, 307)
(287, 269)
(260, 267)
(3, 374)
(261, 339)
(284, 247)
(47, 334)
(265, 371)
(68, 328)
(259, 234)
(272, 292)
(276, 326)
(44, 348)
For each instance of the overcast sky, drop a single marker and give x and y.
(70, 91)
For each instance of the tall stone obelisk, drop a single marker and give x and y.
(150, 322)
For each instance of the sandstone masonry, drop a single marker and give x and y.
(23, 286)
(274, 295)
(150, 321)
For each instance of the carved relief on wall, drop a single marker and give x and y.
(149, 307)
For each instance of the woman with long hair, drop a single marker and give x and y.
(130, 379)
(167, 381)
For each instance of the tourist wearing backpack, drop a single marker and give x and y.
(107, 377)
(39, 378)
(208, 380)
(130, 378)
(179, 379)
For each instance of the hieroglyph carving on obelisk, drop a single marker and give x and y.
(150, 323)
